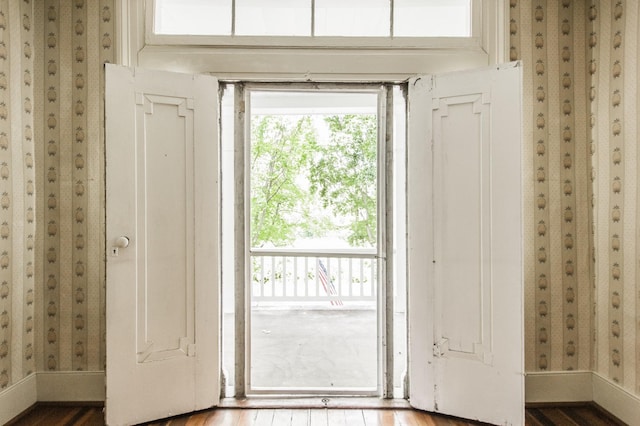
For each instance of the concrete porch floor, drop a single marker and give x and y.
(332, 348)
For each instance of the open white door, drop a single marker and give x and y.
(465, 274)
(162, 244)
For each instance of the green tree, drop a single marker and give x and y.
(280, 149)
(344, 174)
(301, 188)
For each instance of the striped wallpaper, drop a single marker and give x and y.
(582, 211)
(73, 40)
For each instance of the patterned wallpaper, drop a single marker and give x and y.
(73, 40)
(613, 41)
(548, 36)
(17, 192)
(581, 92)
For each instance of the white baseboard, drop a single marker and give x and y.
(582, 386)
(17, 398)
(69, 386)
(558, 386)
(616, 400)
(551, 387)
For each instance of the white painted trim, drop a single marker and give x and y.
(302, 64)
(129, 30)
(70, 386)
(392, 60)
(482, 23)
(17, 398)
(552, 387)
(582, 386)
(616, 400)
(558, 386)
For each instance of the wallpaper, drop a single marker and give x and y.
(74, 40)
(582, 206)
(548, 36)
(613, 96)
(17, 193)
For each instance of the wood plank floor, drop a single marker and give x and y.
(67, 415)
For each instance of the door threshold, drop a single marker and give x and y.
(343, 402)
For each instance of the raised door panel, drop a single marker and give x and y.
(463, 266)
(163, 287)
(465, 283)
(164, 182)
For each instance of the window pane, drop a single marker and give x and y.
(432, 18)
(193, 17)
(353, 18)
(273, 17)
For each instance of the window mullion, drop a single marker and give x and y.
(233, 17)
(391, 13)
(313, 18)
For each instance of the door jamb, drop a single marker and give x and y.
(385, 194)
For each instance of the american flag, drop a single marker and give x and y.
(327, 283)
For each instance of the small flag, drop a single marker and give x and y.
(327, 283)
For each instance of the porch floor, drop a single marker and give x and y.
(332, 349)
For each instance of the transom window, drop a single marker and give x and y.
(314, 18)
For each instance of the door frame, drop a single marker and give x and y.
(384, 249)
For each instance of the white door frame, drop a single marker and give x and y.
(384, 255)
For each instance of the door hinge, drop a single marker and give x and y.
(440, 348)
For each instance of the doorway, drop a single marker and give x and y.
(314, 305)
(463, 168)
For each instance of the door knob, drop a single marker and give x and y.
(122, 242)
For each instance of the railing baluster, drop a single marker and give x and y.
(373, 276)
(294, 276)
(284, 276)
(272, 276)
(306, 277)
(317, 279)
(339, 289)
(261, 278)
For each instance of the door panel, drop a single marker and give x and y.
(162, 288)
(165, 126)
(460, 124)
(465, 245)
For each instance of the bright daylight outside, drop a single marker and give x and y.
(304, 18)
(313, 235)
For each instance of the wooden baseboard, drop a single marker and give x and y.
(71, 386)
(18, 398)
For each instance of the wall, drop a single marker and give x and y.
(73, 39)
(582, 211)
(549, 38)
(613, 95)
(17, 193)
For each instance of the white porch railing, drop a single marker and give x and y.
(330, 276)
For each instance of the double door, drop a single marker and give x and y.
(464, 244)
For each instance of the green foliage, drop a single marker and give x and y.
(305, 189)
(279, 153)
(344, 175)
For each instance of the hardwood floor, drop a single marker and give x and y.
(68, 415)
